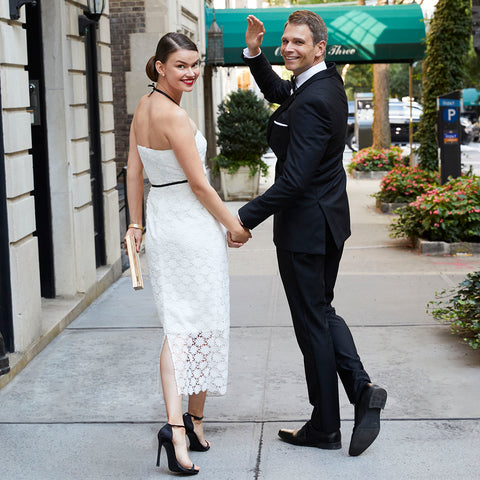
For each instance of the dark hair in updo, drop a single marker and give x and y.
(168, 44)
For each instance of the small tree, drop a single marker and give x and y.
(242, 132)
(444, 69)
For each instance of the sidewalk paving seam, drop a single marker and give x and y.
(236, 327)
(403, 274)
(448, 280)
(373, 247)
(259, 454)
(242, 422)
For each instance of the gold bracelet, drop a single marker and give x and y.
(136, 225)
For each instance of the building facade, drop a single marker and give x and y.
(136, 28)
(59, 219)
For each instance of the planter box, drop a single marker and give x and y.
(427, 247)
(239, 185)
(389, 207)
(374, 175)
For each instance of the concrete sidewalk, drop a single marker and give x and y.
(89, 405)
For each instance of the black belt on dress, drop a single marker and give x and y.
(171, 183)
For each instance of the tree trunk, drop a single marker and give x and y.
(381, 93)
(476, 26)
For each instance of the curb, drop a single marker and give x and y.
(426, 247)
(372, 175)
(389, 207)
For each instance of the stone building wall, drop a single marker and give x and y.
(37, 320)
(126, 18)
(136, 27)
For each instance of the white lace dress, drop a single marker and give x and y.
(188, 269)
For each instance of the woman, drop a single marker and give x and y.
(185, 246)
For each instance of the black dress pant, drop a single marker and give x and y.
(323, 336)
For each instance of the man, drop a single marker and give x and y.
(311, 223)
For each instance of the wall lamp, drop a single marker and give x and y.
(90, 16)
(215, 44)
(15, 6)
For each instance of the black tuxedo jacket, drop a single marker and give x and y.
(307, 134)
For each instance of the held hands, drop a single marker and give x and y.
(239, 237)
(254, 35)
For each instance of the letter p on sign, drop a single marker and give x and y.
(450, 114)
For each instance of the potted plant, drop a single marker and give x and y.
(242, 138)
(369, 160)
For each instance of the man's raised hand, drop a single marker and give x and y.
(254, 35)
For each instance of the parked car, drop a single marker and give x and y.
(399, 116)
(473, 117)
(476, 131)
(466, 133)
(350, 135)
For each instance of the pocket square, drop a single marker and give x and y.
(280, 124)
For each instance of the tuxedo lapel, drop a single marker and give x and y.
(330, 71)
(278, 111)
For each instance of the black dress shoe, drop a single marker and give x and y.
(367, 419)
(307, 436)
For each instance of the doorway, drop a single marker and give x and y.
(39, 150)
(95, 142)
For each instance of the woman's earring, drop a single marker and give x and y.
(163, 74)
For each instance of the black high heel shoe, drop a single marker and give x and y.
(165, 438)
(195, 444)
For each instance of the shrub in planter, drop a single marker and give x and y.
(461, 309)
(371, 160)
(242, 133)
(404, 184)
(448, 213)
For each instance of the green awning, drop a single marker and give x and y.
(471, 96)
(357, 34)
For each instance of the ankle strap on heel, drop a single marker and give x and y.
(195, 417)
(178, 426)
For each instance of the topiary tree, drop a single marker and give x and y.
(444, 69)
(242, 132)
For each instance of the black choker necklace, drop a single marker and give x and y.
(163, 93)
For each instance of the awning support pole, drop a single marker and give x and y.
(410, 94)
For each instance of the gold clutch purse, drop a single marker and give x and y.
(134, 261)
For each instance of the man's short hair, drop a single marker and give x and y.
(315, 23)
